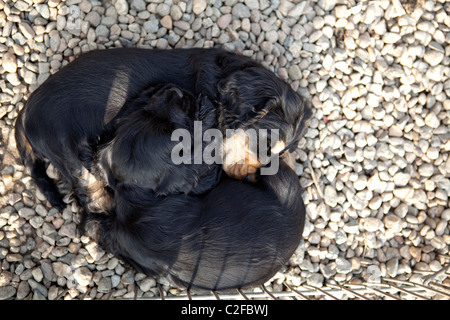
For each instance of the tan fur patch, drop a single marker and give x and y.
(239, 160)
(99, 200)
(280, 145)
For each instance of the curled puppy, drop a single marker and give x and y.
(65, 117)
(140, 151)
(237, 235)
(135, 148)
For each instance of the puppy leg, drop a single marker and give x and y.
(36, 168)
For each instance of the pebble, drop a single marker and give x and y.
(83, 276)
(372, 224)
(105, 285)
(9, 62)
(393, 222)
(7, 292)
(241, 11)
(61, 269)
(121, 7)
(199, 6)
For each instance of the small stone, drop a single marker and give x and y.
(176, 13)
(295, 72)
(23, 290)
(438, 242)
(47, 270)
(298, 9)
(390, 37)
(343, 265)
(26, 212)
(36, 222)
(199, 6)
(102, 31)
(146, 284)
(435, 73)
(372, 224)
(5, 278)
(83, 276)
(432, 120)
(224, 21)
(360, 183)
(105, 285)
(315, 280)
(26, 30)
(330, 196)
(404, 193)
(95, 251)
(327, 5)
(68, 230)
(9, 62)
(392, 267)
(373, 273)
(252, 4)
(7, 292)
(151, 26)
(138, 5)
(241, 11)
(166, 22)
(393, 222)
(43, 10)
(183, 25)
(29, 76)
(121, 7)
(37, 274)
(401, 179)
(61, 269)
(433, 57)
(93, 18)
(426, 170)
(163, 9)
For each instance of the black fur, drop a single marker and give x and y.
(139, 152)
(67, 116)
(237, 235)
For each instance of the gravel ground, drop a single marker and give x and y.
(374, 162)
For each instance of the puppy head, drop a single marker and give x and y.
(254, 98)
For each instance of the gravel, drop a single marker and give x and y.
(374, 161)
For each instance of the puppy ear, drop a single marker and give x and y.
(297, 111)
(247, 94)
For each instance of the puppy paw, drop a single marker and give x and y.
(242, 171)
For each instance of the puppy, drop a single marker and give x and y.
(64, 119)
(135, 148)
(140, 151)
(237, 235)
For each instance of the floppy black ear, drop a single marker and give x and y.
(247, 94)
(297, 111)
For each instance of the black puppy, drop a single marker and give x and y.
(237, 235)
(65, 117)
(137, 151)
(140, 149)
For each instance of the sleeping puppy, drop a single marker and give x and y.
(237, 235)
(64, 119)
(138, 150)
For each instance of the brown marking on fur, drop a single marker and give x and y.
(239, 160)
(98, 198)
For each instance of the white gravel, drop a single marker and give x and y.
(374, 162)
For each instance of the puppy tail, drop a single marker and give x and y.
(36, 166)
